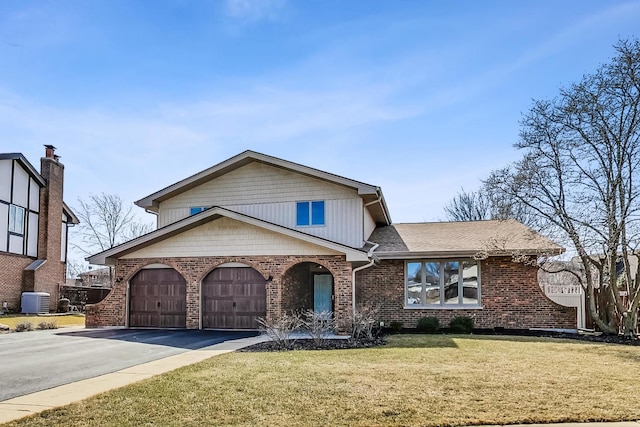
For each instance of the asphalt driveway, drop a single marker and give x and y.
(39, 360)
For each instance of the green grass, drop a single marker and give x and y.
(62, 321)
(427, 380)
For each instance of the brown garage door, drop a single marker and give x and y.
(158, 299)
(233, 298)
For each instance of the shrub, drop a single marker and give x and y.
(396, 326)
(319, 324)
(24, 326)
(280, 329)
(428, 325)
(461, 325)
(48, 325)
(365, 322)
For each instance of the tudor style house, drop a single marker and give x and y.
(258, 236)
(34, 222)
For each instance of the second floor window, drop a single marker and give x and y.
(16, 219)
(196, 209)
(310, 213)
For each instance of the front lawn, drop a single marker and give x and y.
(427, 380)
(12, 320)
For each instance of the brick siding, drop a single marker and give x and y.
(112, 310)
(52, 273)
(13, 278)
(511, 297)
(11, 275)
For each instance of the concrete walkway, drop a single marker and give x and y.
(22, 406)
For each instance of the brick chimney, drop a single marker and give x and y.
(52, 273)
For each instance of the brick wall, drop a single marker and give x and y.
(511, 297)
(50, 275)
(13, 279)
(297, 289)
(112, 310)
(11, 275)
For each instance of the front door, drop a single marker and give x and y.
(233, 298)
(322, 292)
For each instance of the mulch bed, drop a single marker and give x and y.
(345, 344)
(309, 344)
(608, 339)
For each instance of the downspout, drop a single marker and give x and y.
(355, 270)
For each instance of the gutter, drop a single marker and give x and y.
(362, 267)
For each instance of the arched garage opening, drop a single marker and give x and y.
(307, 286)
(233, 297)
(157, 298)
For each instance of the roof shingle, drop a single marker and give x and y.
(495, 237)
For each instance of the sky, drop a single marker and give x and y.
(421, 98)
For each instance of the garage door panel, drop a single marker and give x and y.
(158, 299)
(233, 298)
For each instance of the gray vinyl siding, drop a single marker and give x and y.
(270, 194)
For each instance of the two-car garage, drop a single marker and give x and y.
(231, 298)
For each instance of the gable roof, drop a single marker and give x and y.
(111, 255)
(73, 219)
(448, 239)
(33, 173)
(26, 165)
(369, 193)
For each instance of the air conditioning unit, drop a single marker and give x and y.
(35, 302)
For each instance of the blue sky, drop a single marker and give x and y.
(418, 97)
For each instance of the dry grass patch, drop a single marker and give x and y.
(61, 321)
(415, 380)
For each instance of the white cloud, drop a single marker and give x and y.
(255, 10)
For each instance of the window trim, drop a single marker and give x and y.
(309, 208)
(443, 305)
(12, 224)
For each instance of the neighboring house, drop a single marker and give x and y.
(564, 288)
(100, 277)
(258, 236)
(34, 224)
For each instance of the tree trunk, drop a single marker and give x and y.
(630, 324)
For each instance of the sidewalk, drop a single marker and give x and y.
(22, 406)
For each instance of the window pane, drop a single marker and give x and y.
(470, 282)
(317, 213)
(302, 213)
(16, 219)
(432, 279)
(414, 283)
(451, 276)
(196, 210)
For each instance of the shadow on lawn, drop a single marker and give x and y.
(183, 338)
(449, 340)
(421, 341)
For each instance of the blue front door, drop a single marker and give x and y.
(322, 292)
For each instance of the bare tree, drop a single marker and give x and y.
(105, 222)
(487, 203)
(468, 206)
(579, 175)
(74, 268)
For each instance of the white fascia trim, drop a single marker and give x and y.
(463, 254)
(108, 257)
(148, 202)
